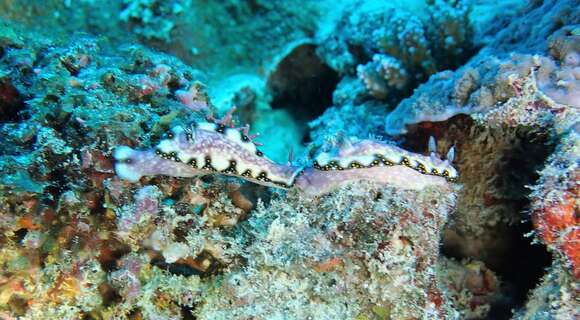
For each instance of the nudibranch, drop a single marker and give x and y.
(371, 153)
(379, 162)
(204, 148)
(219, 147)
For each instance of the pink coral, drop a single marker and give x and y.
(146, 208)
(192, 98)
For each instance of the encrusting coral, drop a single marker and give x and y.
(403, 48)
(471, 286)
(382, 74)
(556, 296)
(555, 202)
(153, 19)
(64, 222)
(356, 253)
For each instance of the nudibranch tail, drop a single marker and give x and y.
(315, 182)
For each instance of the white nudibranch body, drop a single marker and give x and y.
(368, 154)
(217, 148)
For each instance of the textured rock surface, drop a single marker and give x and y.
(354, 254)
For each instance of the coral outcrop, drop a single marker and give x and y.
(368, 248)
(405, 48)
(517, 103)
(153, 19)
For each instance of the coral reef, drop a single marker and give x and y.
(555, 297)
(354, 254)
(152, 19)
(519, 103)
(404, 48)
(519, 108)
(471, 286)
(506, 110)
(122, 196)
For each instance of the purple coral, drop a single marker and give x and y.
(145, 209)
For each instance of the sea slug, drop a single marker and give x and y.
(218, 147)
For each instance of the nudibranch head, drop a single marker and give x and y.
(126, 163)
(443, 169)
(133, 164)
